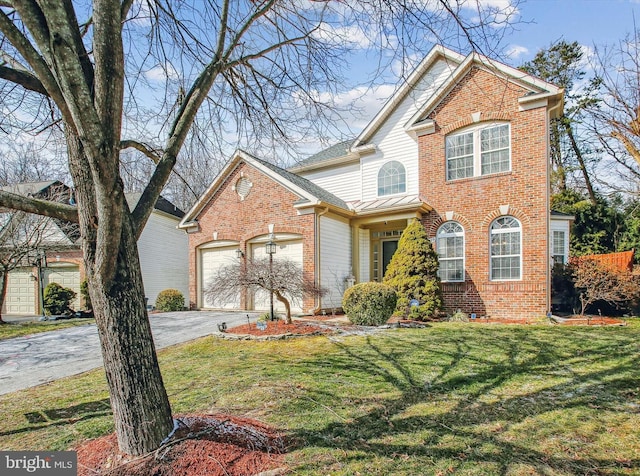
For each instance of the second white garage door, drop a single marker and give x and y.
(291, 250)
(21, 292)
(67, 277)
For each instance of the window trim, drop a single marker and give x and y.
(491, 256)
(476, 131)
(461, 258)
(382, 169)
(554, 252)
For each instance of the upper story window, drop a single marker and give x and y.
(506, 249)
(480, 151)
(392, 179)
(450, 248)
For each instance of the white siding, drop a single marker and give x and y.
(164, 256)
(335, 259)
(342, 181)
(365, 252)
(391, 139)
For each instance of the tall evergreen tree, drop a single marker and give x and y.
(413, 273)
(562, 65)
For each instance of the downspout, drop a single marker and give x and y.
(550, 112)
(316, 234)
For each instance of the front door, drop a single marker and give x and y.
(389, 247)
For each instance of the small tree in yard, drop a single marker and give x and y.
(596, 282)
(57, 299)
(284, 278)
(413, 273)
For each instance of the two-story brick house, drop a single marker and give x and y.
(462, 146)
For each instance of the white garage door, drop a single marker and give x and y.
(211, 260)
(291, 250)
(67, 277)
(21, 293)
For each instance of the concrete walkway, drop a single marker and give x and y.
(40, 358)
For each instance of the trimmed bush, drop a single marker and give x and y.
(84, 292)
(413, 273)
(369, 304)
(57, 299)
(170, 300)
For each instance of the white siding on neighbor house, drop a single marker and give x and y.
(164, 256)
(392, 140)
(342, 181)
(365, 252)
(335, 259)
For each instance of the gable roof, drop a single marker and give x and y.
(310, 194)
(336, 151)
(162, 204)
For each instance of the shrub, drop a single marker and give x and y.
(369, 304)
(458, 316)
(84, 292)
(57, 299)
(170, 300)
(413, 273)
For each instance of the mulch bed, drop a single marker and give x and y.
(279, 327)
(212, 445)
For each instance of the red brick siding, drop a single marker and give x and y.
(476, 201)
(242, 220)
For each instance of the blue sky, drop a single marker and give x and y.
(588, 22)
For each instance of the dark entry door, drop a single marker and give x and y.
(389, 247)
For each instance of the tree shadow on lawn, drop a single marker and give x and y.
(478, 407)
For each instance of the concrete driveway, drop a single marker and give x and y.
(39, 358)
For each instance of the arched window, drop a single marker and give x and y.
(450, 248)
(506, 249)
(392, 179)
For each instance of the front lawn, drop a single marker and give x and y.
(17, 329)
(449, 399)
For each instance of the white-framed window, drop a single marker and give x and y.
(506, 249)
(450, 248)
(392, 179)
(558, 251)
(482, 150)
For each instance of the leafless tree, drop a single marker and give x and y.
(118, 74)
(283, 277)
(615, 120)
(596, 282)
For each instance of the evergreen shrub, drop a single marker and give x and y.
(413, 273)
(170, 300)
(57, 299)
(369, 304)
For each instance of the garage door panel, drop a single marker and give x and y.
(212, 259)
(21, 293)
(290, 250)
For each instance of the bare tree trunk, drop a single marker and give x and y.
(583, 167)
(287, 306)
(141, 408)
(138, 398)
(4, 280)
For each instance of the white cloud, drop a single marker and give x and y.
(161, 73)
(351, 35)
(515, 51)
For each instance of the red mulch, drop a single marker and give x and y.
(278, 328)
(211, 445)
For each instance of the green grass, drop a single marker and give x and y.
(450, 399)
(17, 329)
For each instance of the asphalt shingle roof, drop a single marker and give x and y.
(338, 150)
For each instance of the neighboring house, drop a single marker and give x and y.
(461, 146)
(162, 249)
